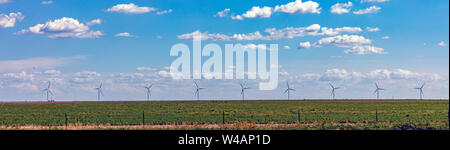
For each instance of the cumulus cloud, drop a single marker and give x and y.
(94, 22)
(370, 10)
(299, 7)
(9, 20)
(341, 8)
(255, 12)
(286, 47)
(304, 45)
(223, 13)
(343, 41)
(363, 50)
(296, 7)
(274, 34)
(130, 9)
(385, 37)
(64, 28)
(123, 34)
(369, 29)
(164, 12)
(47, 2)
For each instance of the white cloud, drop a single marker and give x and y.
(373, 1)
(124, 34)
(63, 28)
(130, 8)
(145, 69)
(370, 10)
(442, 44)
(35, 63)
(274, 34)
(164, 12)
(223, 13)
(299, 7)
(255, 12)
(385, 37)
(94, 22)
(341, 8)
(369, 29)
(9, 20)
(363, 50)
(343, 41)
(254, 47)
(4, 1)
(296, 7)
(286, 47)
(85, 76)
(46, 2)
(304, 45)
(335, 75)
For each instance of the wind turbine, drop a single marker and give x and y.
(378, 90)
(48, 91)
(99, 91)
(243, 88)
(148, 87)
(333, 89)
(420, 90)
(288, 90)
(197, 90)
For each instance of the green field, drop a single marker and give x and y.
(427, 114)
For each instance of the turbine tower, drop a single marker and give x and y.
(243, 88)
(99, 91)
(333, 89)
(377, 91)
(148, 87)
(288, 90)
(420, 90)
(197, 90)
(48, 91)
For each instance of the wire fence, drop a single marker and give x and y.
(218, 117)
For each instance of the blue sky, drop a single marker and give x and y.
(76, 44)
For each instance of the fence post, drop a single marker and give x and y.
(376, 114)
(143, 118)
(298, 116)
(65, 118)
(223, 117)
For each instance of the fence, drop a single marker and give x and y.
(216, 117)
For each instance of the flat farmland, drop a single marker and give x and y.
(263, 114)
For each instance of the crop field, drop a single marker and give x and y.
(294, 114)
